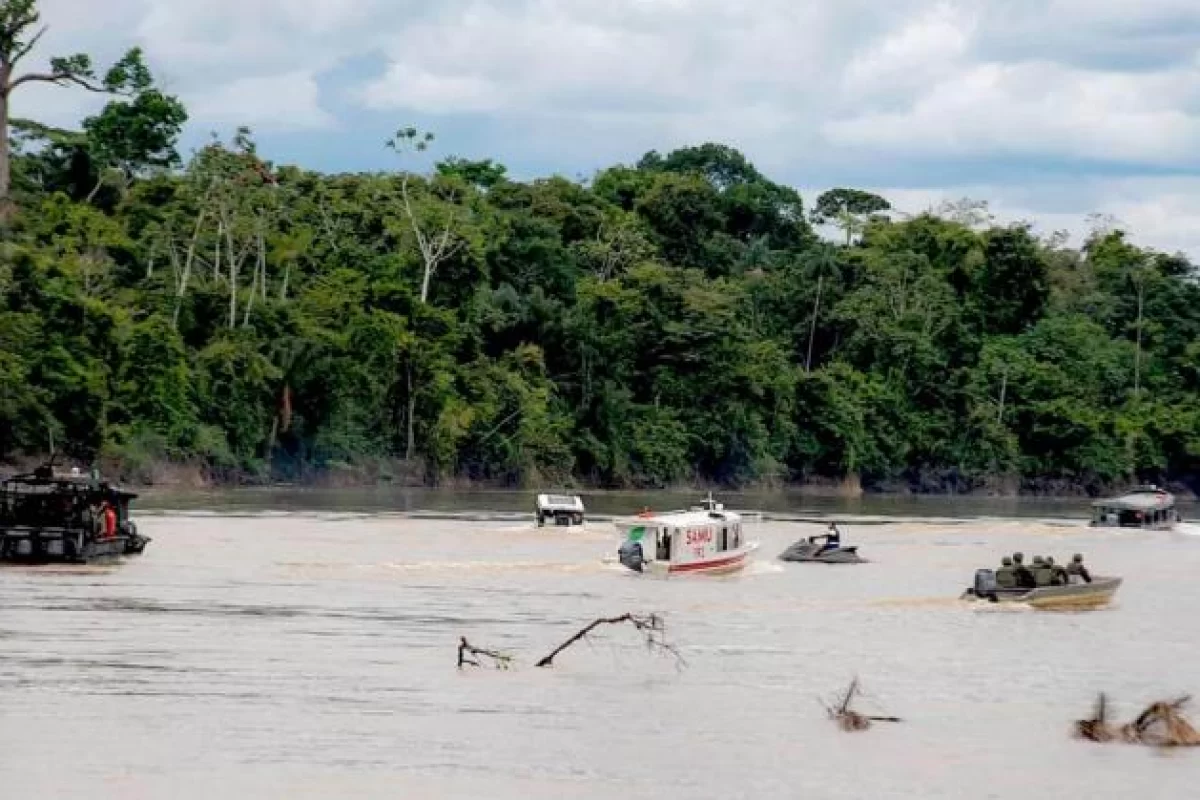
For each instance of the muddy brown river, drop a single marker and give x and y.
(311, 654)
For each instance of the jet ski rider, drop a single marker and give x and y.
(833, 539)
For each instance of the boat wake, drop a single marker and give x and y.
(586, 532)
(763, 568)
(916, 602)
(61, 569)
(492, 566)
(1188, 528)
(460, 567)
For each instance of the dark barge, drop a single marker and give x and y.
(47, 516)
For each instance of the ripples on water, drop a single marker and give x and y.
(312, 655)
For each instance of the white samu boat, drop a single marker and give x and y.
(705, 539)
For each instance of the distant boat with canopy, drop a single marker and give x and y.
(1147, 507)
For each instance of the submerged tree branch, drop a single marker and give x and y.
(652, 627)
(847, 718)
(468, 653)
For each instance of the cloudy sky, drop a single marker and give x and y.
(1049, 109)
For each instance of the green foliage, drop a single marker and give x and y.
(672, 321)
(131, 136)
(137, 134)
(849, 209)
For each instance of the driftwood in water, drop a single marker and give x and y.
(847, 718)
(652, 627)
(1161, 724)
(468, 655)
(1097, 728)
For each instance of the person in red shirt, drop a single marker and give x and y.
(110, 521)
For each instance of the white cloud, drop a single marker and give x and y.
(1163, 213)
(857, 91)
(275, 102)
(915, 55)
(1039, 108)
(232, 61)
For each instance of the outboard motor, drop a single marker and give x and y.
(631, 556)
(985, 584)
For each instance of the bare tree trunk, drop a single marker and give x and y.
(425, 283)
(287, 273)
(433, 253)
(1137, 357)
(7, 207)
(181, 293)
(253, 294)
(812, 334)
(262, 265)
(258, 276)
(150, 259)
(232, 278)
(217, 252)
(95, 189)
(1003, 395)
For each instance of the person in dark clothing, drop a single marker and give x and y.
(832, 539)
(1076, 567)
(1058, 574)
(1006, 576)
(1025, 576)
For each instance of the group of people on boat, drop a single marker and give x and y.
(1015, 574)
(95, 513)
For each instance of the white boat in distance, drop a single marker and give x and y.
(705, 539)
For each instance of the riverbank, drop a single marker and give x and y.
(399, 474)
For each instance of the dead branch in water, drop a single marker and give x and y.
(847, 718)
(1161, 724)
(467, 655)
(1097, 728)
(652, 627)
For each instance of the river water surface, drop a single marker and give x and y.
(311, 654)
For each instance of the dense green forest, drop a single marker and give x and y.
(678, 320)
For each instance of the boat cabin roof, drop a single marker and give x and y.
(572, 501)
(1141, 498)
(686, 519)
(52, 482)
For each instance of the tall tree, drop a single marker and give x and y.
(19, 35)
(849, 209)
(131, 136)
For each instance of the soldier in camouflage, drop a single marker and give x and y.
(1076, 567)
(1006, 576)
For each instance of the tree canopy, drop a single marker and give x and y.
(670, 321)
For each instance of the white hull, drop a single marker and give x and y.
(728, 562)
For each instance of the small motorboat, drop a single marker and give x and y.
(565, 510)
(1147, 507)
(805, 550)
(1076, 594)
(705, 539)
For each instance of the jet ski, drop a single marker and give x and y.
(805, 550)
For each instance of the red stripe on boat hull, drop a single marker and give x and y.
(731, 563)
